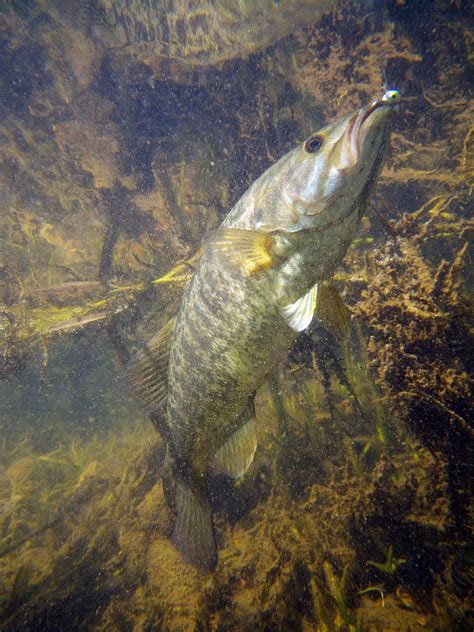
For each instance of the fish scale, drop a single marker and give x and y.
(206, 332)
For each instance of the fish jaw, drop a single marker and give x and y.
(362, 129)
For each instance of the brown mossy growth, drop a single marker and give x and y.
(300, 564)
(418, 321)
(418, 337)
(348, 45)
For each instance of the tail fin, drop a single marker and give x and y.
(194, 529)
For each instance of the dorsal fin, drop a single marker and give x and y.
(147, 374)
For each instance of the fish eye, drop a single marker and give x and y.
(313, 144)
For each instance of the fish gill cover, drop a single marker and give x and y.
(122, 148)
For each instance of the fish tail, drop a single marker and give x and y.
(194, 529)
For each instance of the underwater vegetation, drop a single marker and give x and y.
(355, 514)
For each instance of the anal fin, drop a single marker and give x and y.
(236, 455)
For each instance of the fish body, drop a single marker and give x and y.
(254, 289)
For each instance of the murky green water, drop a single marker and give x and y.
(127, 133)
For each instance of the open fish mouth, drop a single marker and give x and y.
(362, 121)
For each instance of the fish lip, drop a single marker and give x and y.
(349, 146)
(360, 118)
(370, 109)
(351, 124)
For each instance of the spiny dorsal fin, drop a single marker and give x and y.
(147, 374)
(249, 250)
(299, 314)
(236, 455)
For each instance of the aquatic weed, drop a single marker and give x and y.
(338, 590)
(391, 564)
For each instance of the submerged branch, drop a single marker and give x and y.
(32, 325)
(459, 421)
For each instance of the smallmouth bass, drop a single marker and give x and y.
(257, 285)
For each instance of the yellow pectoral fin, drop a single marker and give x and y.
(249, 250)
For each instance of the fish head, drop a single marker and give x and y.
(322, 178)
(355, 144)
